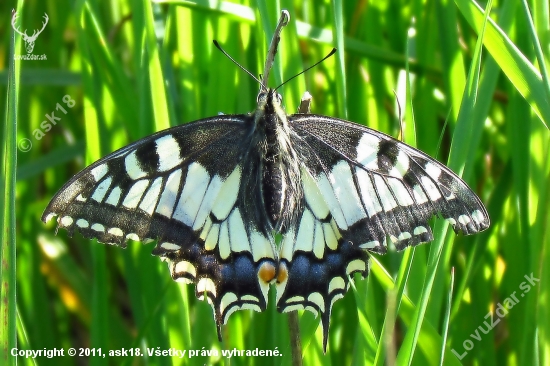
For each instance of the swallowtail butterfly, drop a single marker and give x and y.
(215, 192)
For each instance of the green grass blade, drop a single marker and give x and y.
(99, 329)
(162, 110)
(8, 163)
(461, 139)
(523, 75)
(447, 317)
(338, 30)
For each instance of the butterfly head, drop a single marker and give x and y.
(269, 101)
(269, 111)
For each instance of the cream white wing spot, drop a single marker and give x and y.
(212, 238)
(115, 231)
(370, 244)
(313, 196)
(295, 307)
(206, 229)
(114, 197)
(404, 236)
(332, 202)
(210, 197)
(304, 239)
(98, 227)
(419, 195)
(225, 203)
(185, 267)
(368, 194)
(196, 183)
(317, 299)
(101, 190)
(249, 298)
(336, 298)
(463, 219)
(50, 216)
(478, 216)
(151, 197)
(355, 265)
(337, 283)
(227, 300)
(402, 165)
(206, 284)
(401, 193)
(287, 246)
(135, 193)
(237, 233)
(66, 221)
(319, 241)
(296, 299)
(99, 172)
(168, 151)
(342, 183)
(133, 168)
(261, 246)
(224, 243)
(230, 312)
(312, 310)
(81, 223)
(170, 246)
(419, 230)
(367, 151)
(386, 197)
(169, 194)
(132, 236)
(331, 235)
(431, 188)
(181, 279)
(432, 170)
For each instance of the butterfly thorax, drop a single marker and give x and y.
(280, 171)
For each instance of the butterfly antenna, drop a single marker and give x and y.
(236, 63)
(311, 67)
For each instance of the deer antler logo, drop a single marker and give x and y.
(29, 40)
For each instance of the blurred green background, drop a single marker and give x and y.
(133, 67)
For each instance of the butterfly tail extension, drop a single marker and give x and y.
(306, 282)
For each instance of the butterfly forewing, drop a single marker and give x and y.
(384, 181)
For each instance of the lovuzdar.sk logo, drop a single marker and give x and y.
(29, 40)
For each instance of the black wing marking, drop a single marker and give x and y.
(369, 187)
(188, 187)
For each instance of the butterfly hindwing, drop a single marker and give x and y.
(315, 256)
(185, 187)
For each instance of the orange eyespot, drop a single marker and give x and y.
(266, 272)
(282, 275)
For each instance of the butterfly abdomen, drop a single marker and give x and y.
(280, 171)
